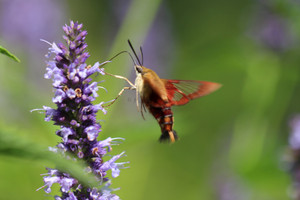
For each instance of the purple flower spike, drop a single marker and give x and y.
(76, 117)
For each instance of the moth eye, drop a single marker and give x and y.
(139, 69)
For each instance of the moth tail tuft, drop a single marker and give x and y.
(168, 136)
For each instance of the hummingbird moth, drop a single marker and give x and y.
(158, 95)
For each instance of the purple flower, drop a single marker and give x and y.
(271, 28)
(294, 142)
(82, 71)
(97, 107)
(92, 132)
(49, 181)
(294, 138)
(107, 143)
(65, 133)
(53, 49)
(115, 167)
(68, 196)
(95, 68)
(76, 116)
(71, 93)
(51, 70)
(92, 89)
(49, 112)
(58, 80)
(67, 183)
(59, 96)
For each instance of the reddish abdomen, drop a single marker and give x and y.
(164, 117)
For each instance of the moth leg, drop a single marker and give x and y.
(121, 77)
(120, 93)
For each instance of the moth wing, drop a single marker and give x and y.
(180, 92)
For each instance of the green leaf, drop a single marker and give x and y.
(13, 146)
(6, 52)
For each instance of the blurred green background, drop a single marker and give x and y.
(232, 143)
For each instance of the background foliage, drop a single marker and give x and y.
(233, 142)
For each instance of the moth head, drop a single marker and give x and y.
(139, 69)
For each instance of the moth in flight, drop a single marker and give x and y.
(158, 95)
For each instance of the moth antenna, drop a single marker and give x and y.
(142, 55)
(134, 53)
(122, 53)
